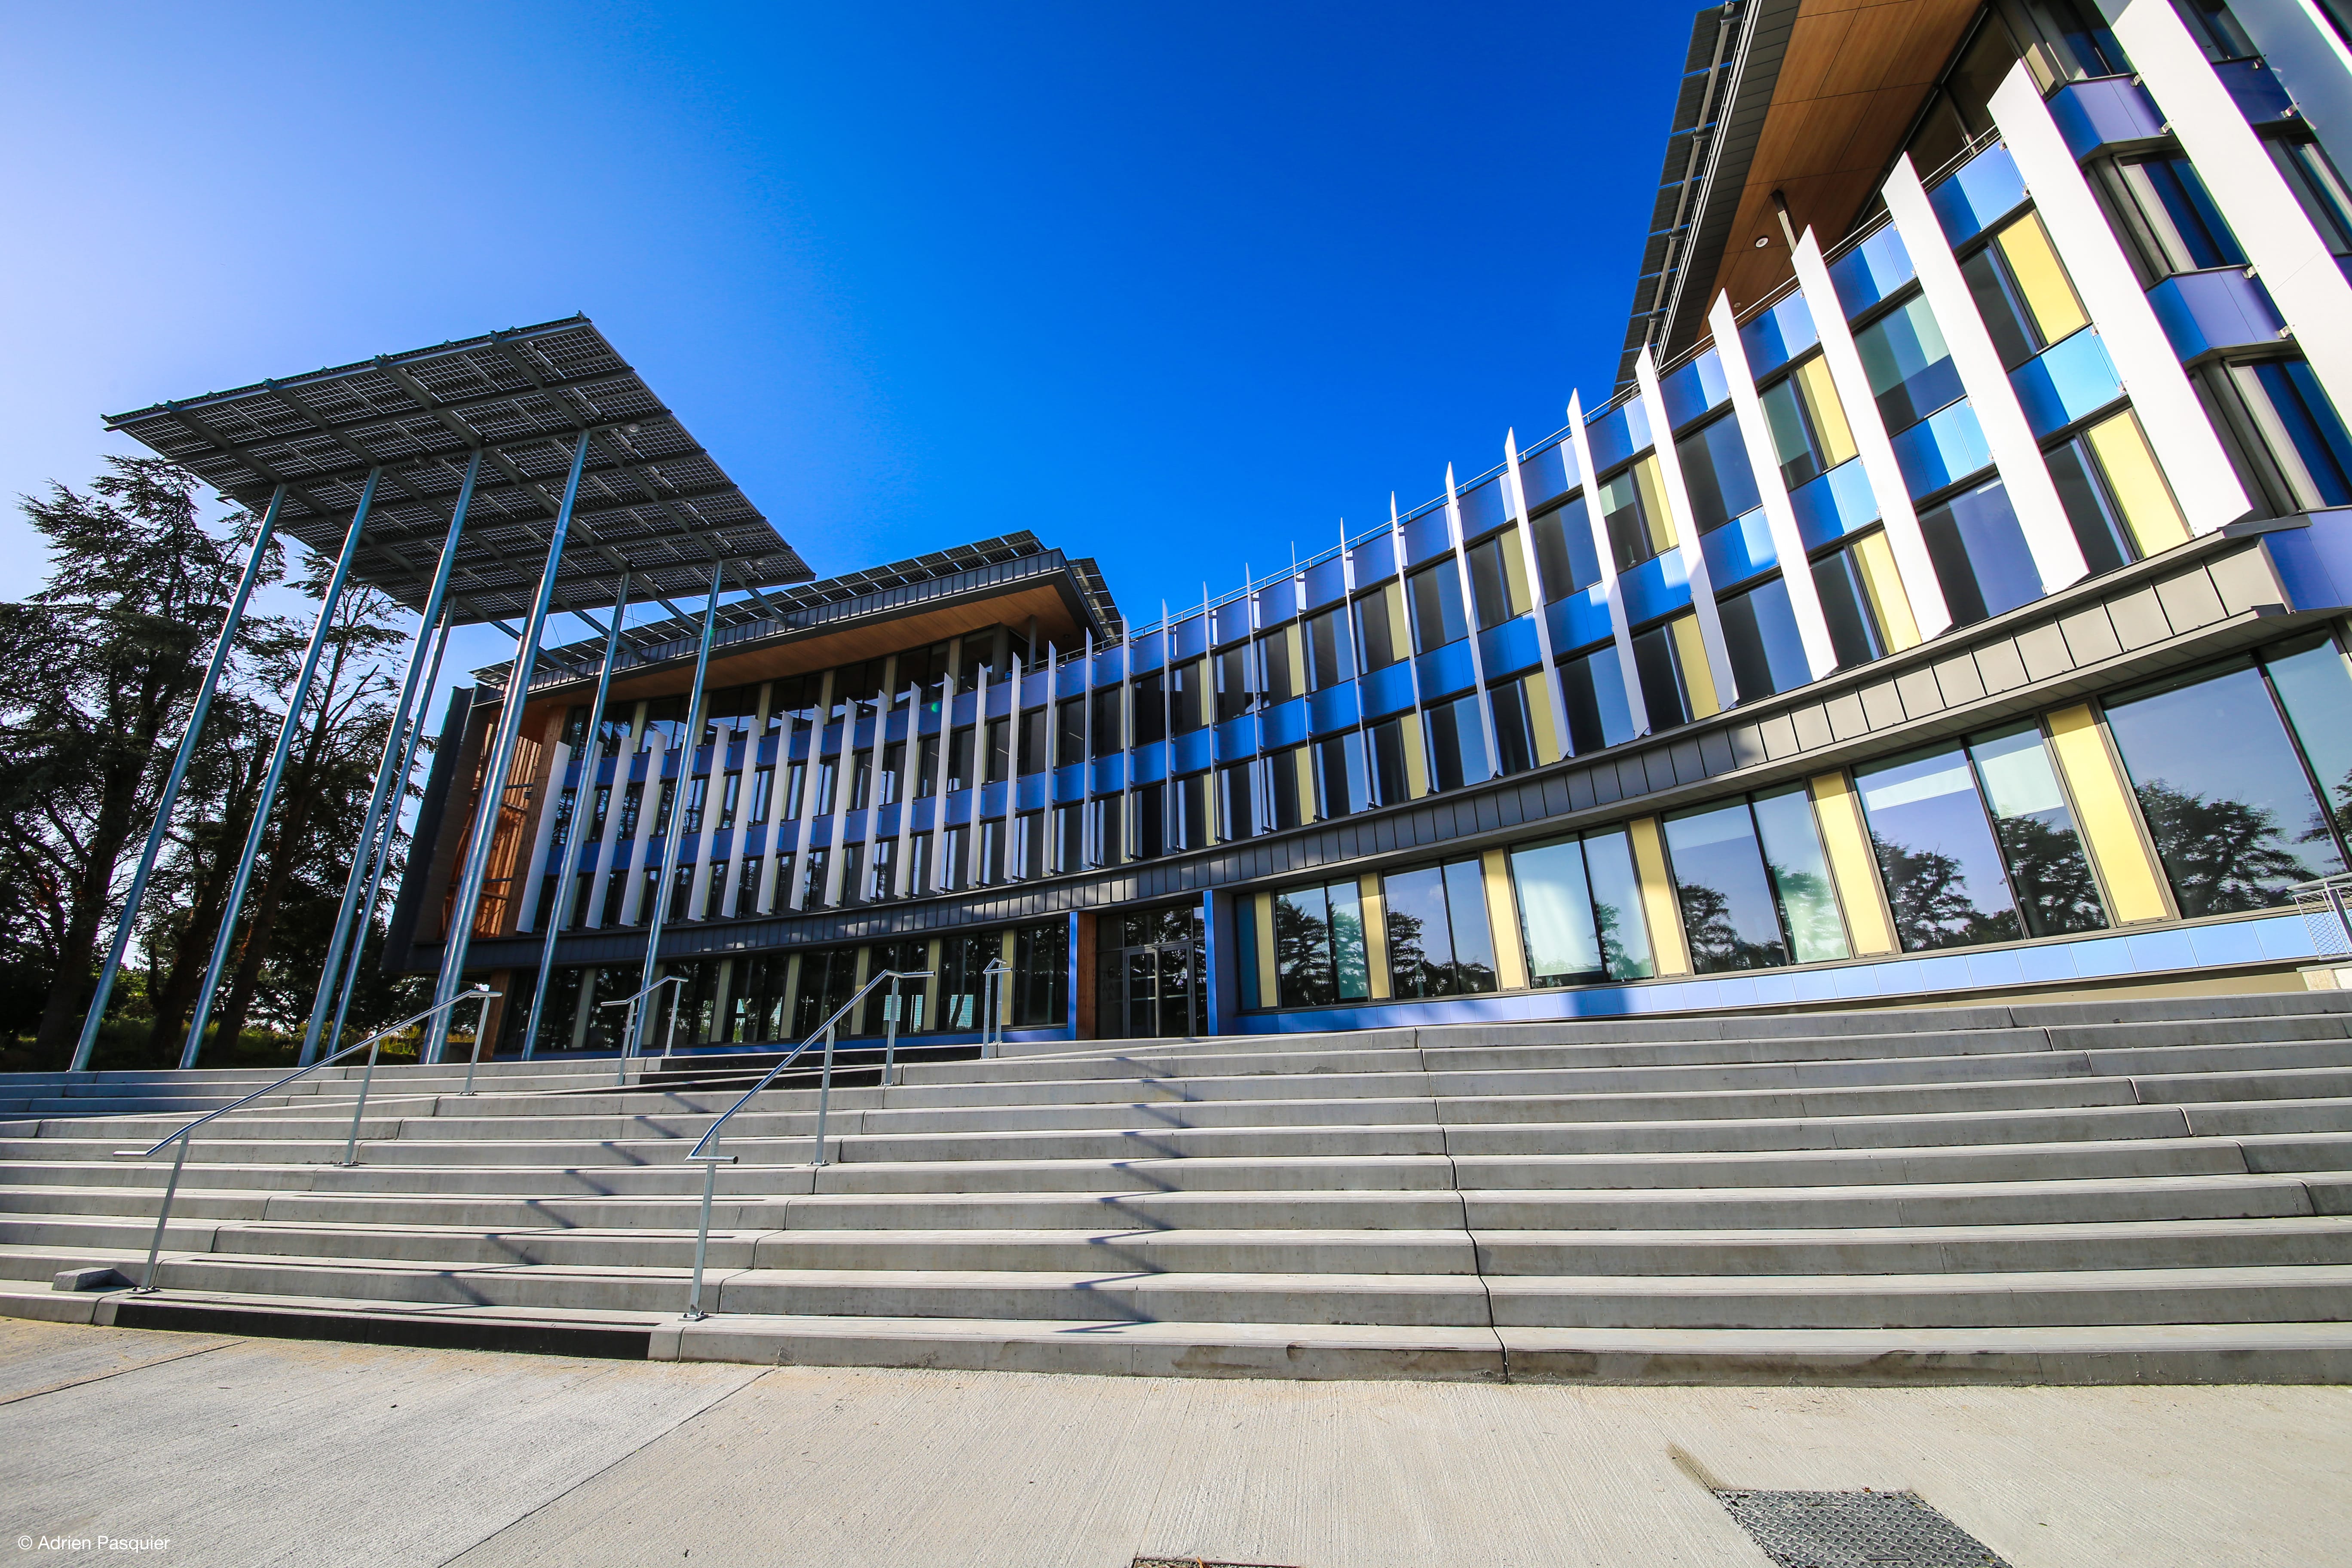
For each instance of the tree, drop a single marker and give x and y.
(98, 670)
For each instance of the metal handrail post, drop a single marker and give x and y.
(890, 1033)
(172, 782)
(367, 1080)
(146, 1286)
(629, 1034)
(824, 1097)
(2343, 915)
(482, 1033)
(711, 1163)
(676, 1004)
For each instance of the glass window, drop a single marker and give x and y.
(2114, 494)
(1633, 513)
(1910, 369)
(1235, 691)
(959, 774)
(1339, 782)
(1728, 911)
(1555, 919)
(2300, 427)
(1564, 551)
(1187, 695)
(2178, 215)
(1439, 944)
(1457, 743)
(1150, 709)
(2315, 689)
(1808, 424)
(1716, 473)
(1498, 579)
(2047, 868)
(1981, 554)
(1327, 650)
(1290, 807)
(2235, 824)
(1598, 712)
(1799, 873)
(1436, 596)
(1936, 852)
(1069, 733)
(1390, 774)
(1379, 619)
(2315, 182)
(2022, 293)
(1282, 679)
(1109, 732)
(1318, 946)
(1759, 632)
(1151, 833)
(1515, 738)
(1189, 803)
(1677, 684)
(1617, 906)
(1000, 754)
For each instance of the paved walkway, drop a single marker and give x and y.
(254, 1452)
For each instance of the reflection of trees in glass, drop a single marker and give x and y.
(1621, 964)
(1716, 943)
(1409, 971)
(2223, 855)
(1302, 955)
(1347, 951)
(1810, 906)
(2052, 875)
(1928, 892)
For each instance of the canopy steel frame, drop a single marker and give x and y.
(672, 851)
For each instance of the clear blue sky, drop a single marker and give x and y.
(1172, 285)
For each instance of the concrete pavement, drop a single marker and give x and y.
(258, 1452)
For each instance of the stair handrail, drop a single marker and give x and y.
(146, 1286)
(629, 1028)
(2325, 905)
(705, 1153)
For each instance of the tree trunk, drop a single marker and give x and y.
(76, 980)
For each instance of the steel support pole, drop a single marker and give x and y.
(567, 866)
(171, 796)
(380, 852)
(460, 931)
(669, 879)
(357, 880)
(294, 702)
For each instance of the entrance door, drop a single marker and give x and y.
(1150, 982)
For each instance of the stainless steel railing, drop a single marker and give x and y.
(373, 1044)
(629, 1023)
(2325, 905)
(705, 1153)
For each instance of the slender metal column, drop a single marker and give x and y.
(494, 778)
(380, 851)
(567, 866)
(154, 846)
(294, 702)
(427, 618)
(668, 880)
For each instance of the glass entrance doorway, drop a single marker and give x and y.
(1151, 980)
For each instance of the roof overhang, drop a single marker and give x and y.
(651, 501)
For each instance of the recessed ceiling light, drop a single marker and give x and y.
(1762, 240)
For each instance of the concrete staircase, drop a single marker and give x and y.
(2138, 1190)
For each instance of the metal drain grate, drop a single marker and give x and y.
(1854, 1530)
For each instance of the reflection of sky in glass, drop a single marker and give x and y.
(2046, 864)
(1801, 875)
(1556, 913)
(2223, 793)
(1416, 920)
(2317, 691)
(1727, 905)
(1348, 966)
(1617, 900)
(1473, 940)
(1936, 853)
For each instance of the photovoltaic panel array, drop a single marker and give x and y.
(651, 500)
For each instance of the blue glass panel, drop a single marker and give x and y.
(1834, 505)
(1238, 737)
(1693, 389)
(1284, 725)
(1611, 439)
(927, 817)
(1375, 559)
(2106, 112)
(1482, 507)
(992, 803)
(1426, 536)
(1445, 671)
(2206, 312)
(1978, 194)
(1110, 773)
(1388, 691)
(1070, 783)
(1871, 271)
(1108, 667)
(1149, 763)
(1510, 647)
(1545, 476)
(1147, 652)
(1191, 751)
(1191, 636)
(1277, 602)
(1030, 791)
(1656, 587)
(1335, 709)
(1777, 336)
(1232, 621)
(2256, 90)
(958, 810)
(1000, 705)
(1739, 549)
(1326, 581)
(1032, 695)
(2067, 382)
(1940, 449)
(1637, 423)
(1580, 619)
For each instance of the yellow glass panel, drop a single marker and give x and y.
(1267, 982)
(1698, 680)
(1658, 900)
(1851, 866)
(1822, 402)
(1416, 761)
(1303, 758)
(2042, 277)
(1538, 690)
(1884, 584)
(1400, 630)
(1515, 571)
(2137, 483)
(1503, 922)
(1004, 985)
(2103, 806)
(1376, 933)
(1651, 485)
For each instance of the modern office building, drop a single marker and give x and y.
(1949, 600)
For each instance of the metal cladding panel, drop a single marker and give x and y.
(2205, 313)
(1326, 582)
(1374, 559)
(1032, 792)
(1232, 621)
(1547, 474)
(1237, 738)
(1191, 751)
(1388, 691)
(2109, 112)
(1447, 671)
(1286, 725)
(1278, 601)
(1510, 647)
(1150, 762)
(1427, 537)
(1335, 709)
(1192, 636)
(1580, 619)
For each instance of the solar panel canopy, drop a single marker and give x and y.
(651, 501)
